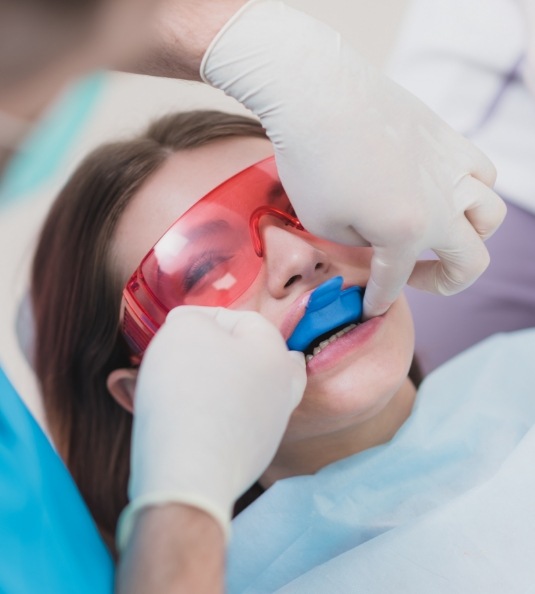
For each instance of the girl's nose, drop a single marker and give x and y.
(292, 261)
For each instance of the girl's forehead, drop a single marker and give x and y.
(184, 178)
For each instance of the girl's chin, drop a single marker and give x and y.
(358, 388)
(341, 407)
(345, 403)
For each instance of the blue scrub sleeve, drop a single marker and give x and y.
(46, 149)
(48, 539)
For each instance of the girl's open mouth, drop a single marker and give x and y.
(330, 313)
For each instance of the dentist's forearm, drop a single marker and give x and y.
(173, 549)
(183, 30)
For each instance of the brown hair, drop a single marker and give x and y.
(76, 300)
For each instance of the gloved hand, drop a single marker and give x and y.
(362, 160)
(214, 394)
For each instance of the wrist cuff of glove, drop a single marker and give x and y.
(220, 34)
(129, 515)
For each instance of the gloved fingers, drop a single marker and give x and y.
(188, 324)
(299, 377)
(235, 322)
(345, 234)
(390, 268)
(484, 209)
(191, 311)
(267, 341)
(248, 327)
(246, 324)
(457, 268)
(298, 357)
(469, 159)
(480, 166)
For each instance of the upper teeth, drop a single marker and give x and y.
(325, 343)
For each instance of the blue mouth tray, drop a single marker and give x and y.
(328, 307)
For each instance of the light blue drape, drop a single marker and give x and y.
(448, 506)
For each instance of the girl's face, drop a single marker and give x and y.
(353, 378)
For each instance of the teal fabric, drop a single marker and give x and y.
(446, 506)
(48, 541)
(45, 150)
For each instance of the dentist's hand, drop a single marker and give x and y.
(214, 395)
(363, 161)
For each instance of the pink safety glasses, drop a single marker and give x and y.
(210, 256)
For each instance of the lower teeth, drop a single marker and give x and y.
(327, 342)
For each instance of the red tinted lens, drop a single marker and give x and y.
(206, 257)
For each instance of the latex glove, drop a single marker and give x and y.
(363, 161)
(214, 394)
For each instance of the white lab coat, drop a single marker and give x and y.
(466, 60)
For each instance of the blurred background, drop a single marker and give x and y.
(126, 103)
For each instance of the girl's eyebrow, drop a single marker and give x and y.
(213, 226)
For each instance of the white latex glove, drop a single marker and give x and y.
(363, 161)
(214, 394)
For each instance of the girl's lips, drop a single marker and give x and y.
(355, 339)
(295, 314)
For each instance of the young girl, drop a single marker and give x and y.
(113, 211)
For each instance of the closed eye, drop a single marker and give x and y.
(201, 268)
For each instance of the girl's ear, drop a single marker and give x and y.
(121, 384)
